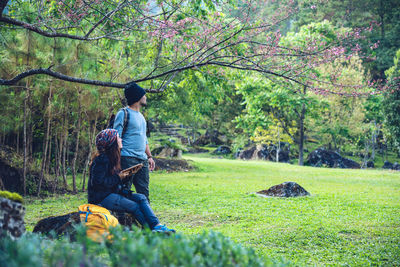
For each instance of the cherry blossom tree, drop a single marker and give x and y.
(174, 36)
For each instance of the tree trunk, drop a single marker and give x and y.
(59, 142)
(301, 141)
(48, 160)
(58, 151)
(46, 144)
(91, 137)
(278, 149)
(25, 141)
(64, 153)
(374, 134)
(18, 141)
(28, 109)
(364, 163)
(78, 131)
(301, 129)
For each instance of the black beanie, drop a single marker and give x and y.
(133, 93)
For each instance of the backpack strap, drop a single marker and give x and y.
(126, 119)
(90, 212)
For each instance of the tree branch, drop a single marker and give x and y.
(33, 28)
(67, 78)
(60, 76)
(106, 16)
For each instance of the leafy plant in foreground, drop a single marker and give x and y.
(129, 248)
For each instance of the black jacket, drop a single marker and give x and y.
(101, 182)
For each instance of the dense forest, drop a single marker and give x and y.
(307, 73)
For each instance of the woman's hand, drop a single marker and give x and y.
(123, 175)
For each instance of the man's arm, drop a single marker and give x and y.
(152, 164)
(119, 122)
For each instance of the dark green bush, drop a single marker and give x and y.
(129, 248)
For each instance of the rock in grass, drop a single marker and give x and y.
(396, 166)
(370, 164)
(64, 224)
(60, 225)
(265, 152)
(286, 189)
(222, 150)
(11, 218)
(172, 165)
(326, 158)
(387, 165)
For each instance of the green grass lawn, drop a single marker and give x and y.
(351, 218)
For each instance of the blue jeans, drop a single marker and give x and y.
(135, 204)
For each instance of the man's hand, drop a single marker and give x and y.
(152, 164)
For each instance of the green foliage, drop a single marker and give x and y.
(206, 249)
(12, 196)
(344, 122)
(175, 145)
(35, 250)
(383, 16)
(267, 103)
(129, 248)
(391, 102)
(274, 134)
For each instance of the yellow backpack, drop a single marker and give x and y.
(97, 220)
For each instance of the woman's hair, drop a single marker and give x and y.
(114, 156)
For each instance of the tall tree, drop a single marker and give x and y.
(391, 102)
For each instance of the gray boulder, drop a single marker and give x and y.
(387, 165)
(396, 166)
(247, 153)
(211, 137)
(286, 189)
(197, 150)
(169, 152)
(222, 150)
(172, 165)
(64, 224)
(266, 152)
(11, 218)
(327, 158)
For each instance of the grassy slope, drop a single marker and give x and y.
(352, 216)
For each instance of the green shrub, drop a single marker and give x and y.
(174, 145)
(129, 248)
(33, 250)
(12, 196)
(206, 249)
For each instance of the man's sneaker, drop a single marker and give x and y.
(162, 229)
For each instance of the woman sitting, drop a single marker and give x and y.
(105, 182)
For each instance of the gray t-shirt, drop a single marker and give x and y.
(134, 140)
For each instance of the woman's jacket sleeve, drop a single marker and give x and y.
(100, 174)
